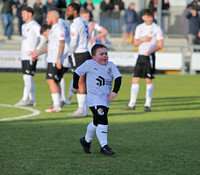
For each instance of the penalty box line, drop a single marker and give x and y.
(34, 112)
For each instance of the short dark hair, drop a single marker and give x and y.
(28, 9)
(44, 27)
(75, 6)
(147, 12)
(97, 46)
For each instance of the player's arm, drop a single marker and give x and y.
(137, 42)
(74, 40)
(103, 33)
(60, 52)
(159, 46)
(75, 82)
(116, 88)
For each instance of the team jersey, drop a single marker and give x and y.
(30, 39)
(56, 34)
(153, 31)
(92, 28)
(99, 81)
(64, 24)
(79, 33)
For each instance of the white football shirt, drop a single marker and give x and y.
(99, 81)
(65, 25)
(79, 33)
(56, 34)
(98, 28)
(153, 31)
(30, 39)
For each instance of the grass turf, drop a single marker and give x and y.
(162, 142)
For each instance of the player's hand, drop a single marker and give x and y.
(34, 54)
(58, 64)
(146, 38)
(146, 54)
(74, 90)
(92, 40)
(112, 96)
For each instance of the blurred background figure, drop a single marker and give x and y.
(61, 5)
(20, 4)
(130, 20)
(185, 21)
(50, 4)
(90, 7)
(153, 4)
(106, 11)
(165, 16)
(116, 16)
(39, 10)
(7, 15)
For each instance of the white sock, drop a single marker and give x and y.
(82, 106)
(32, 92)
(149, 94)
(91, 131)
(101, 132)
(134, 94)
(62, 86)
(56, 100)
(27, 86)
(70, 90)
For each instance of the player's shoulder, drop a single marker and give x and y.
(140, 26)
(156, 26)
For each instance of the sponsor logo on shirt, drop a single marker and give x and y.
(100, 81)
(100, 111)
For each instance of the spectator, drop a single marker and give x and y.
(153, 4)
(116, 15)
(20, 4)
(165, 15)
(61, 5)
(130, 19)
(50, 4)
(7, 15)
(106, 10)
(196, 5)
(39, 10)
(185, 21)
(90, 7)
(194, 26)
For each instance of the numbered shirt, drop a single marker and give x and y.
(99, 81)
(79, 33)
(65, 25)
(56, 34)
(30, 39)
(153, 31)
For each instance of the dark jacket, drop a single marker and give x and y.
(130, 16)
(106, 9)
(194, 23)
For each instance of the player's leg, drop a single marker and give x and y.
(70, 93)
(53, 83)
(149, 94)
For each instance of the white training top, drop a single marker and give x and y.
(99, 81)
(98, 28)
(153, 31)
(30, 39)
(64, 24)
(56, 34)
(79, 33)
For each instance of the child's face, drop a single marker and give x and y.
(86, 16)
(148, 19)
(101, 56)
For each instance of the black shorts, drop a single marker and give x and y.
(145, 67)
(63, 70)
(53, 72)
(79, 58)
(29, 67)
(100, 115)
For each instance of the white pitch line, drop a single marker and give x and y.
(35, 112)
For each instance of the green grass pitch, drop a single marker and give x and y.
(165, 141)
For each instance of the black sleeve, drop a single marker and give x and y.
(75, 80)
(117, 84)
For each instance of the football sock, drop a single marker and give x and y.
(56, 100)
(91, 131)
(62, 86)
(82, 106)
(70, 90)
(27, 86)
(149, 94)
(134, 94)
(101, 132)
(32, 92)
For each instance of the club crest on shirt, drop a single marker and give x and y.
(100, 111)
(109, 70)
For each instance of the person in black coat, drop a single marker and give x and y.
(39, 10)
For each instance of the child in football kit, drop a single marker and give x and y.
(100, 74)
